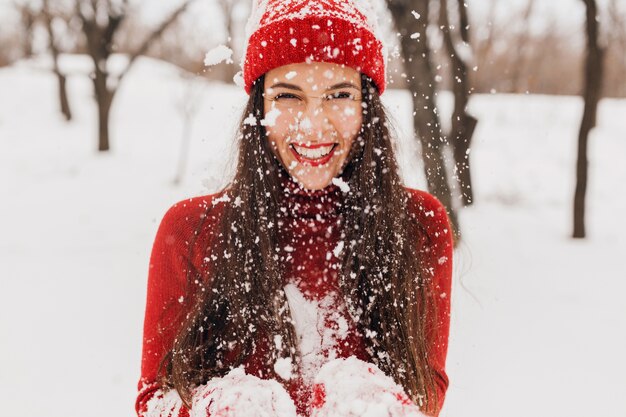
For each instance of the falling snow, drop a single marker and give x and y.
(218, 55)
(270, 117)
(283, 368)
(250, 120)
(521, 192)
(339, 182)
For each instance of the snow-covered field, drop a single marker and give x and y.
(539, 320)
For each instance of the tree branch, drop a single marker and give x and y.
(156, 34)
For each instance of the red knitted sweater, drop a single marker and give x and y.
(311, 232)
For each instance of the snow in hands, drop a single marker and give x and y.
(353, 388)
(242, 395)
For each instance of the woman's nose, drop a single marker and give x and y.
(318, 121)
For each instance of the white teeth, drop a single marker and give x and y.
(313, 153)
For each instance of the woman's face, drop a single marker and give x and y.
(312, 115)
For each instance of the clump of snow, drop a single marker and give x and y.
(305, 124)
(270, 117)
(224, 198)
(241, 395)
(338, 249)
(283, 367)
(238, 79)
(217, 55)
(415, 14)
(353, 388)
(163, 404)
(343, 186)
(250, 120)
(290, 75)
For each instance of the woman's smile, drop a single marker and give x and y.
(314, 155)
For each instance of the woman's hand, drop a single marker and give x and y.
(353, 388)
(240, 395)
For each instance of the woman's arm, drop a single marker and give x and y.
(437, 252)
(170, 263)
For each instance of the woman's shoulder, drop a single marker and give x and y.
(186, 215)
(426, 206)
(431, 214)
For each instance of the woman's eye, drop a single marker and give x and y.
(286, 97)
(341, 95)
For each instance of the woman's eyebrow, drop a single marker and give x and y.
(286, 85)
(344, 84)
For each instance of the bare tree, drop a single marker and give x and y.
(521, 48)
(101, 20)
(592, 90)
(48, 17)
(463, 124)
(28, 17)
(411, 21)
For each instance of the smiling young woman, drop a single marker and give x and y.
(315, 283)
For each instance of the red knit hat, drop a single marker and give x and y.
(282, 32)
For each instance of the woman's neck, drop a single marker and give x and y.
(299, 202)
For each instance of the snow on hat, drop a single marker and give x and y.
(282, 32)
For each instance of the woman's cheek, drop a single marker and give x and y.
(350, 127)
(286, 126)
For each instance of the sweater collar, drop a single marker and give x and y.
(299, 202)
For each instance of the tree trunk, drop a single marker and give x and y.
(64, 102)
(463, 124)
(104, 108)
(104, 99)
(54, 50)
(421, 82)
(463, 21)
(593, 86)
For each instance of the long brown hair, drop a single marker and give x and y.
(385, 284)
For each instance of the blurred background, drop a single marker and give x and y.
(511, 112)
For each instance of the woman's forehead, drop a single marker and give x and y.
(312, 74)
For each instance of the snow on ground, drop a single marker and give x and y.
(538, 319)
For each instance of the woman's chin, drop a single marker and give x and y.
(313, 180)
